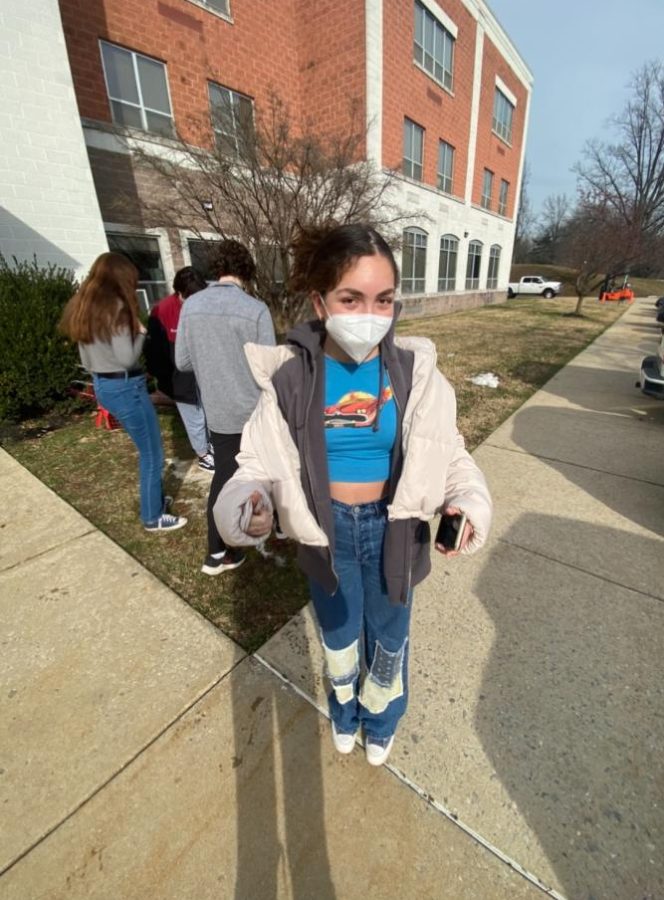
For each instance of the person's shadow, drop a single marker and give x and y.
(280, 803)
(571, 709)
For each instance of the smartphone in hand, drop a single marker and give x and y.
(450, 531)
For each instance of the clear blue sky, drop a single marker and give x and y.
(581, 54)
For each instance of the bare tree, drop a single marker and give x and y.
(261, 179)
(599, 246)
(627, 175)
(548, 240)
(525, 219)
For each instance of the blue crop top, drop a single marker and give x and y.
(355, 451)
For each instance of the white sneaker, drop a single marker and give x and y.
(343, 743)
(378, 750)
(206, 463)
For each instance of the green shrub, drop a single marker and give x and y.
(36, 363)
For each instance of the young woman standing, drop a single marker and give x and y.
(103, 319)
(354, 442)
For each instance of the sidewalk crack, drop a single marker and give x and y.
(565, 462)
(569, 565)
(125, 765)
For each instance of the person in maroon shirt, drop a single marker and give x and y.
(160, 360)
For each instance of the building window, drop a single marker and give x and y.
(445, 166)
(433, 47)
(220, 6)
(203, 255)
(487, 189)
(143, 251)
(503, 112)
(494, 265)
(447, 263)
(232, 119)
(137, 90)
(414, 261)
(413, 149)
(473, 265)
(502, 197)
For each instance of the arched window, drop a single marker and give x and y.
(413, 261)
(473, 265)
(494, 265)
(447, 262)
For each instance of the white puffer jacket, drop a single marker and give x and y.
(437, 471)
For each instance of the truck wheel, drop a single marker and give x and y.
(548, 294)
(510, 294)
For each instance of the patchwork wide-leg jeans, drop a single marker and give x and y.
(360, 611)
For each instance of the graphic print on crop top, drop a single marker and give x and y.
(355, 451)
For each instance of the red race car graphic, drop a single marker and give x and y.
(357, 409)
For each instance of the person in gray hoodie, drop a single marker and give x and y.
(214, 327)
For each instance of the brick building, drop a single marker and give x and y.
(443, 92)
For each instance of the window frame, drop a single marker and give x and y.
(503, 129)
(503, 196)
(205, 4)
(154, 294)
(411, 161)
(473, 280)
(140, 106)
(444, 177)
(448, 251)
(218, 132)
(448, 39)
(495, 252)
(485, 201)
(408, 282)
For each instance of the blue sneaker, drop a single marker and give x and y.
(166, 522)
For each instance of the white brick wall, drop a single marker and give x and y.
(48, 205)
(443, 215)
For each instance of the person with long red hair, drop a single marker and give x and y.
(102, 318)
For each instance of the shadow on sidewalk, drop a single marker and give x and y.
(570, 712)
(280, 821)
(587, 448)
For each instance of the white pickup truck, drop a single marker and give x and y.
(534, 284)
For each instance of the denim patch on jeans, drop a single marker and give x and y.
(128, 400)
(360, 611)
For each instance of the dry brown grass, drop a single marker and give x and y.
(524, 342)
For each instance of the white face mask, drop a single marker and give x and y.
(357, 333)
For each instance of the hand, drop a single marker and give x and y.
(260, 523)
(468, 533)
(142, 329)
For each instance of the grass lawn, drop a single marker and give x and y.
(524, 342)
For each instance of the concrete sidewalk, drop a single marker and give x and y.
(143, 755)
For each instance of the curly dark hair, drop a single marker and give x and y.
(188, 281)
(321, 255)
(233, 258)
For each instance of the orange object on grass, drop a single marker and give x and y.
(621, 294)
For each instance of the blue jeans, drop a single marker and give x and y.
(193, 419)
(359, 615)
(127, 399)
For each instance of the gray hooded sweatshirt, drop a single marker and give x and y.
(214, 326)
